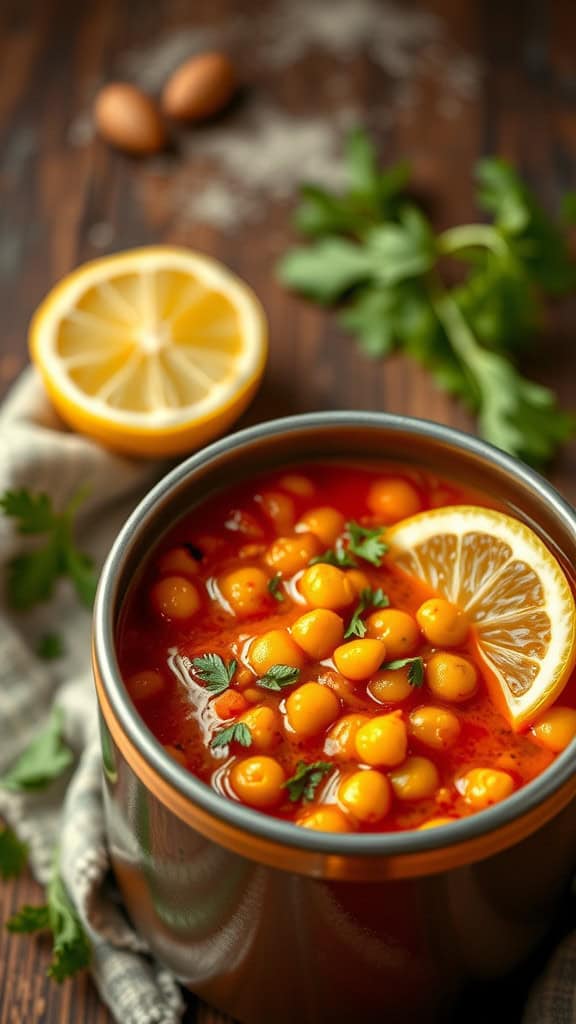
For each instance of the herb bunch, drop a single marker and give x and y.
(375, 250)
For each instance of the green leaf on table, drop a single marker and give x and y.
(326, 269)
(277, 677)
(32, 575)
(503, 194)
(71, 950)
(306, 779)
(50, 646)
(45, 759)
(13, 854)
(214, 671)
(370, 315)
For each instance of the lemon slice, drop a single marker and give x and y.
(152, 351)
(513, 590)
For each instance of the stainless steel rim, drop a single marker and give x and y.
(253, 822)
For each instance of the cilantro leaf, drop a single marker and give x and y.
(337, 555)
(239, 732)
(45, 758)
(50, 646)
(327, 269)
(214, 671)
(403, 250)
(415, 669)
(32, 576)
(369, 315)
(274, 586)
(70, 946)
(13, 854)
(32, 512)
(306, 779)
(366, 542)
(277, 677)
(368, 599)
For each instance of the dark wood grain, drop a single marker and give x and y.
(57, 194)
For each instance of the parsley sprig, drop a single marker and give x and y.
(70, 945)
(32, 575)
(415, 669)
(338, 555)
(366, 542)
(368, 599)
(45, 759)
(214, 671)
(374, 248)
(277, 677)
(13, 854)
(238, 732)
(306, 779)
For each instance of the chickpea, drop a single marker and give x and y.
(340, 742)
(393, 498)
(318, 632)
(145, 685)
(276, 647)
(325, 818)
(246, 591)
(359, 659)
(435, 727)
(359, 580)
(383, 741)
(326, 586)
(435, 823)
(366, 796)
(443, 623)
(297, 484)
(416, 779)
(290, 554)
(243, 677)
(265, 726)
(390, 686)
(482, 787)
(279, 508)
(310, 709)
(326, 523)
(397, 629)
(258, 781)
(175, 598)
(555, 729)
(451, 677)
(179, 562)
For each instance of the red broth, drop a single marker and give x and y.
(234, 531)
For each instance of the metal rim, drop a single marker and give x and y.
(244, 818)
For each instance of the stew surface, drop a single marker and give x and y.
(274, 648)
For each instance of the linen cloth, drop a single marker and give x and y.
(38, 452)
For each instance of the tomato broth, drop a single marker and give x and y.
(232, 646)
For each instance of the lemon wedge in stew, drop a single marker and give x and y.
(513, 590)
(152, 351)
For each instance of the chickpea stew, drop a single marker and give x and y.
(278, 652)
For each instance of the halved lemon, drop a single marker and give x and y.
(152, 351)
(512, 588)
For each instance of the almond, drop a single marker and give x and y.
(128, 119)
(199, 88)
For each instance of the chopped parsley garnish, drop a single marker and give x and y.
(45, 758)
(338, 555)
(13, 854)
(71, 948)
(214, 671)
(306, 779)
(274, 587)
(236, 733)
(278, 676)
(366, 542)
(415, 669)
(368, 599)
(32, 575)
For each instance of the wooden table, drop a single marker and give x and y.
(67, 198)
